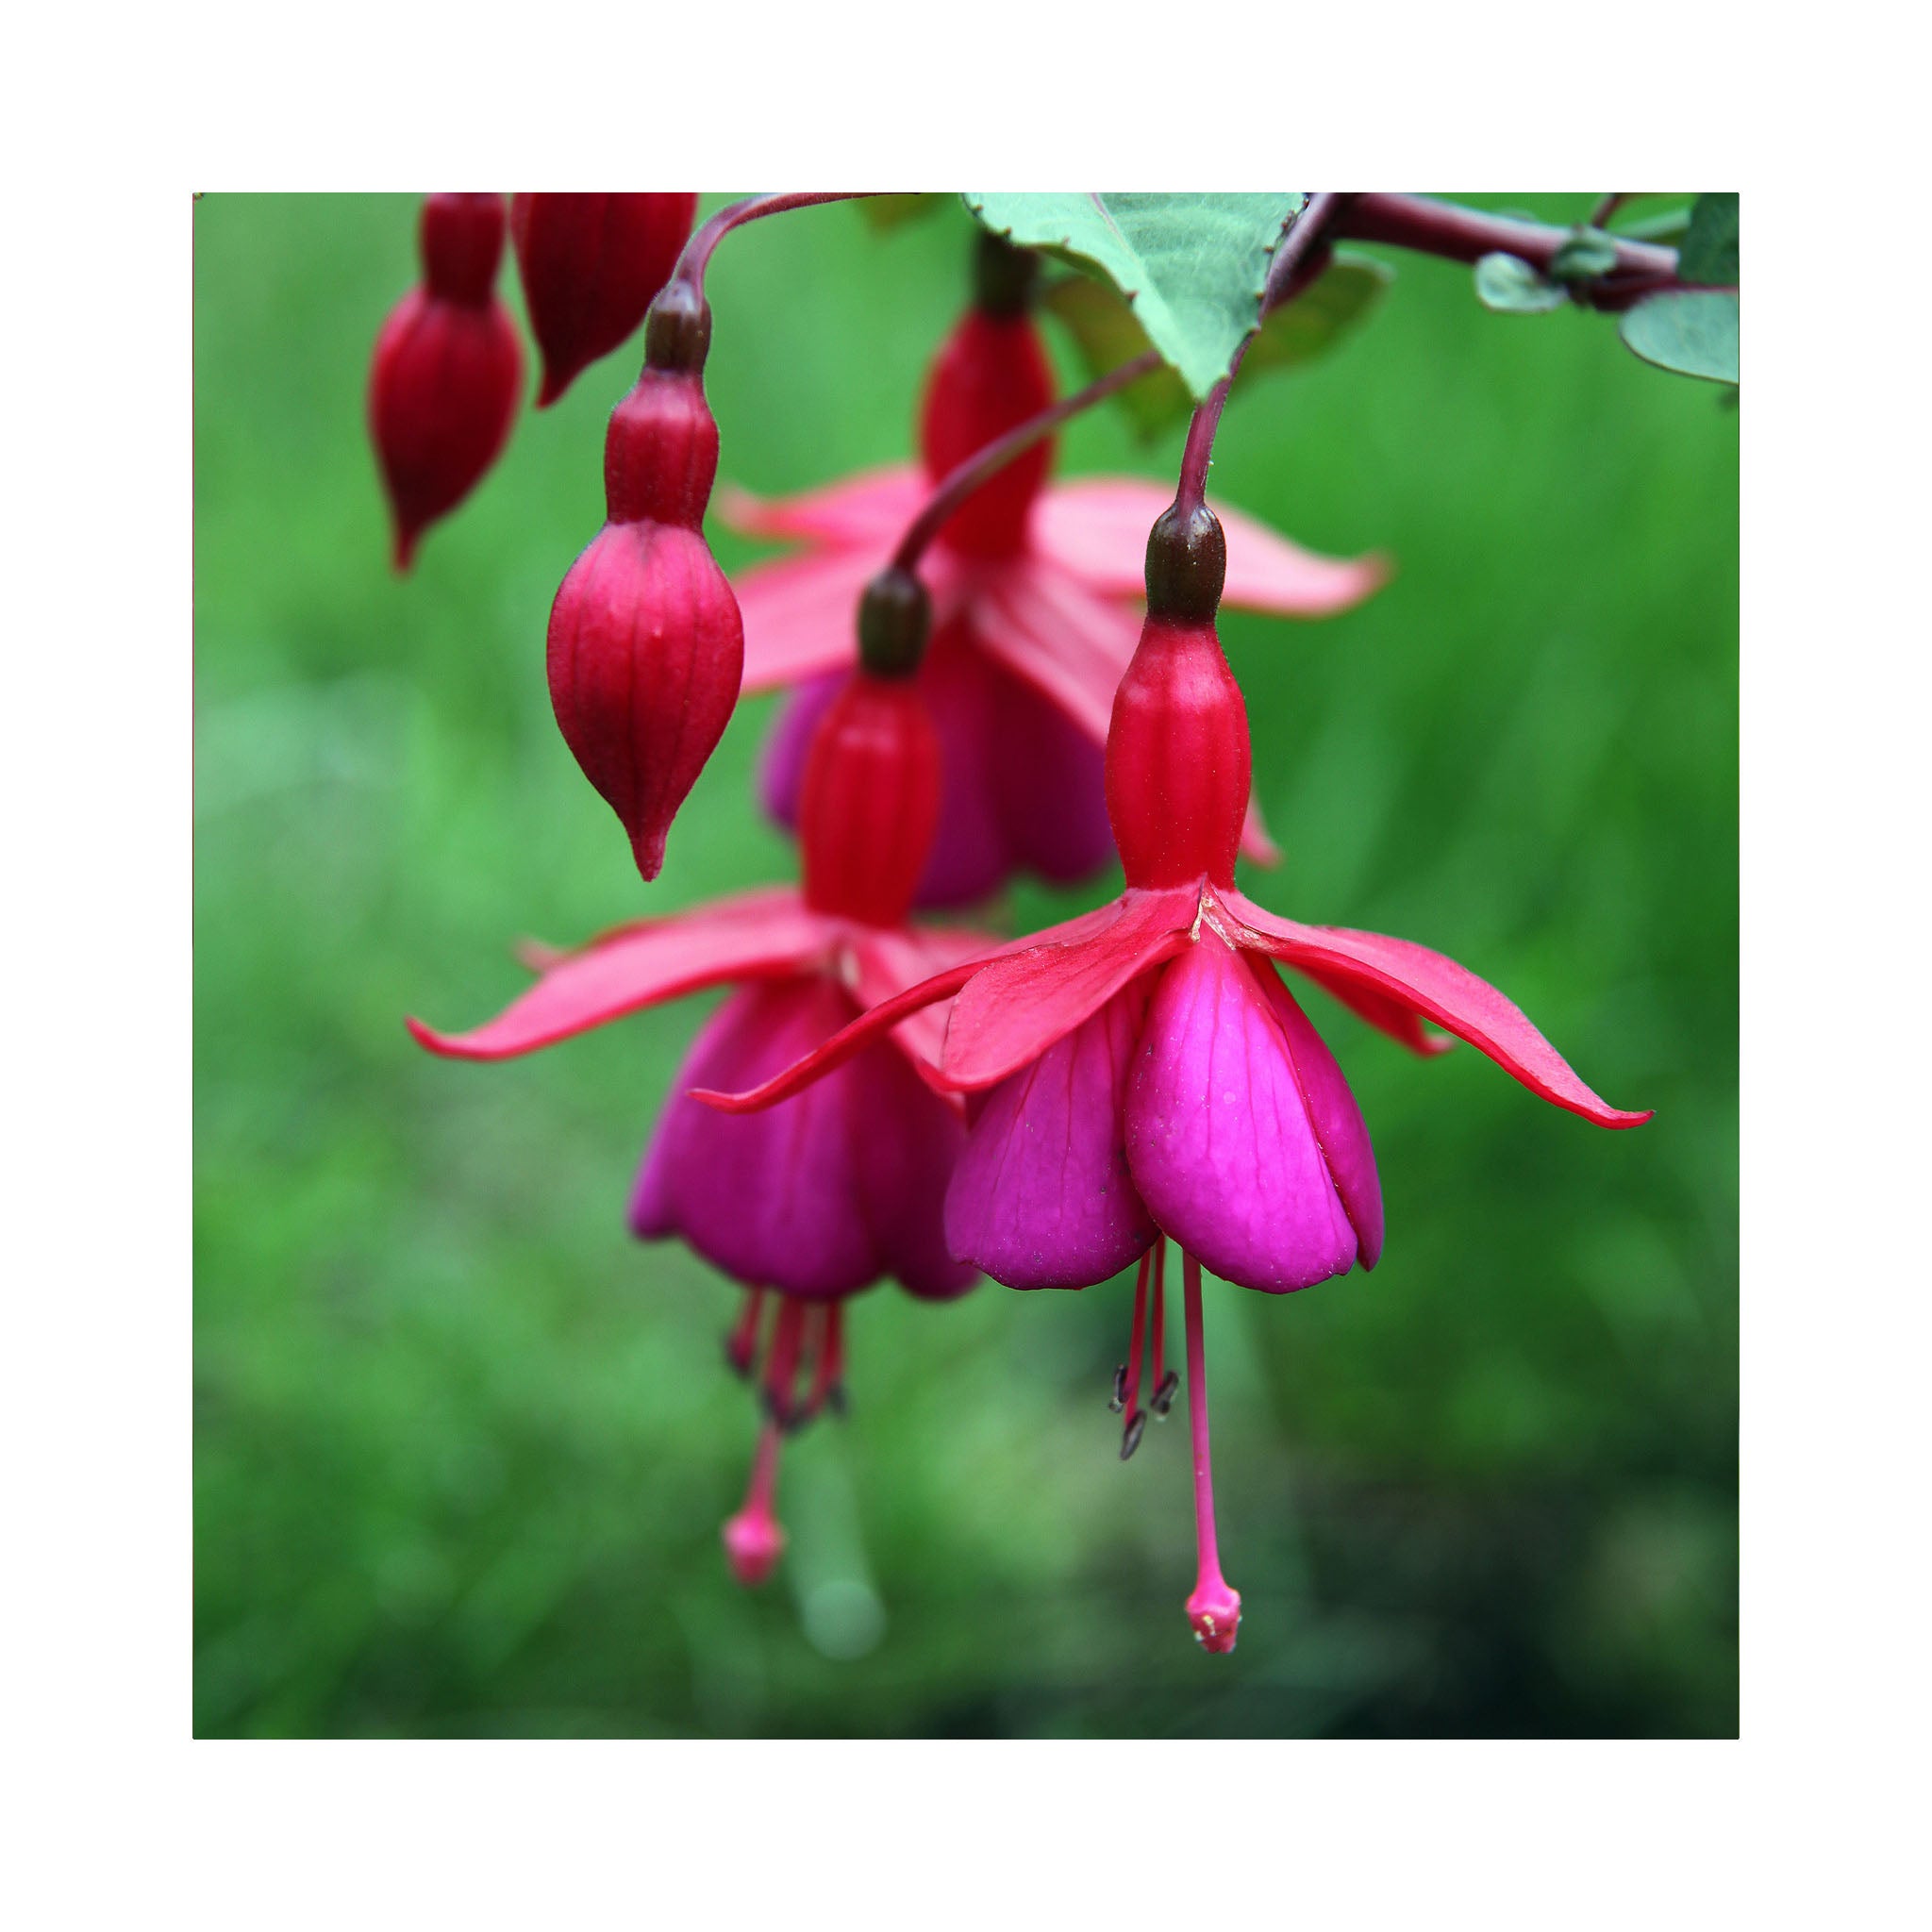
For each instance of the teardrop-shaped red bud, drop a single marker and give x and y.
(645, 653)
(646, 650)
(1178, 763)
(989, 375)
(870, 801)
(444, 379)
(591, 264)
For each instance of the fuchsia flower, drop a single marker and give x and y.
(1142, 1072)
(810, 1206)
(1033, 623)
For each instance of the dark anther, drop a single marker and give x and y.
(1130, 1436)
(837, 1402)
(1163, 1396)
(738, 1357)
(1118, 1400)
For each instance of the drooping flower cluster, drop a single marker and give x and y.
(881, 1097)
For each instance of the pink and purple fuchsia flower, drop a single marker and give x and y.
(1142, 1072)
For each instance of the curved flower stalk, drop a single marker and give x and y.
(1030, 586)
(807, 1208)
(1143, 1072)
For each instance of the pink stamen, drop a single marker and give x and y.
(1214, 1609)
(742, 1344)
(782, 1363)
(1127, 1387)
(755, 1539)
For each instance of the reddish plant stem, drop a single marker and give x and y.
(960, 482)
(1463, 234)
(697, 250)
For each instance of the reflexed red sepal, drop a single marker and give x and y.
(1436, 988)
(755, 936)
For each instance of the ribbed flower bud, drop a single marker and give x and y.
(591, 264)
(645, 648)
(447, 369)
(991, 376)
(1177, 757)
(871, 799)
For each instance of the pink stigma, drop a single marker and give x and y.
(1214, 1609)
(755, 1539)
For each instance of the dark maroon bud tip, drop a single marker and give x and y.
(677, 328)
(1130, 1436)
(1004, 276)
(1163, 1396)
(894, 618)
(1118, 1400)
(1187, 564)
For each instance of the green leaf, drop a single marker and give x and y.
(1710, 253)
(1192, 266)
(885, 212)
(1106, 333)
(1332, 304)
(1507, 284)
(1693, 331)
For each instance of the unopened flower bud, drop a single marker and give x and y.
(447, 369)
(591, 264)
(1178, 762)
(645, 648)
(871, 800)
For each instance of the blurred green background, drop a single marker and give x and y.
(463, 1448)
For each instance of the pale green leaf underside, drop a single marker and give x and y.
(1192, 266)
(1693, 332)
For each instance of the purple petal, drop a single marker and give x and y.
(969, 859)
(1047, 775)
(1340, 1129)
(775, 1199)
(1041, 1198)
(1219, 1138)
(905, 1142)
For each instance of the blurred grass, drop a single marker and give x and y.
(463, 1448)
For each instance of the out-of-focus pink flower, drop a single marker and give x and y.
(808, 1206)
(1034, 590)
